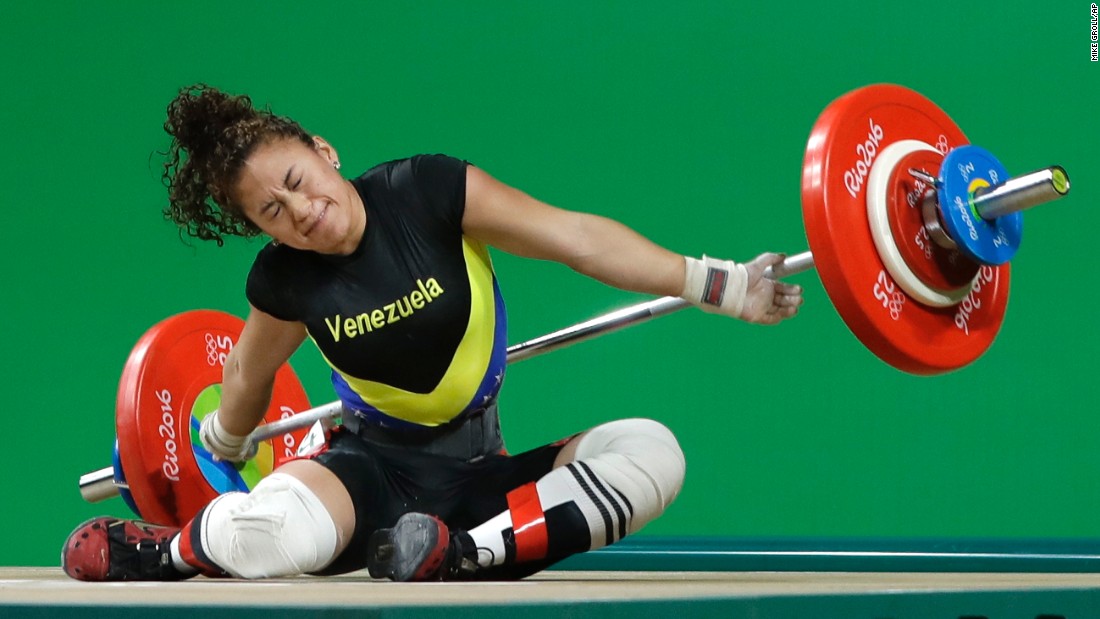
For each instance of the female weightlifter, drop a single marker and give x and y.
(389, 274)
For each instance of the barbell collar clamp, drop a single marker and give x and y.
(923, 176)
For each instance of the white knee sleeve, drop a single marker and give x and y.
(623, 475)
(641, 459)
(279, 529)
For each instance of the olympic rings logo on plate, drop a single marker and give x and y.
(217, 349)
(897, 300)
(886, 291)
(941, 144)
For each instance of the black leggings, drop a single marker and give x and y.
(386, 482)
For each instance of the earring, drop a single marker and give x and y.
(336, 164)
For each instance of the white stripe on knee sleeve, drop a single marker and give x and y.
(640, 459)
(280, 528)
(624, 474)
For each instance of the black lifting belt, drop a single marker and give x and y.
(470, 437)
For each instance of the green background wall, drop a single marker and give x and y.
(688, 124)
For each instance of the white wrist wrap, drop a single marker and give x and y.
(221, 443)
(716, 286)
(223, 437)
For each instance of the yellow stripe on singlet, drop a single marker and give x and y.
(468, 366)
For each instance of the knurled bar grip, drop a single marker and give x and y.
(99, 485)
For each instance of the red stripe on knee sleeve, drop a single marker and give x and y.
(191, 551)
(528, 523)
(187, 551)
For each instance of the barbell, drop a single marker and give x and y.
(911, 230)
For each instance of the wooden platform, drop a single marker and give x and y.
(47, 592)
(684, 577)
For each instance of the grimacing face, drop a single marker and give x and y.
(293, 194)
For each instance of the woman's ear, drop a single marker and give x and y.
(325, 149)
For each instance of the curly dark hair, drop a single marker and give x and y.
(213, 134)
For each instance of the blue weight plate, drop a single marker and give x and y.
(120, 481)
(966, 170)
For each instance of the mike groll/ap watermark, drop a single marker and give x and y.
(1092, 30)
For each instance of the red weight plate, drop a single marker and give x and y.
(170, 380)
(842, 147)
(937, 267)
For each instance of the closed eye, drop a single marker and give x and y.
(271, 209)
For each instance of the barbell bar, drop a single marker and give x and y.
(845, 157)
(1016, 194)
(100, 485)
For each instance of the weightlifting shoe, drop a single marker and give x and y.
(421, 547)
(108, 548)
